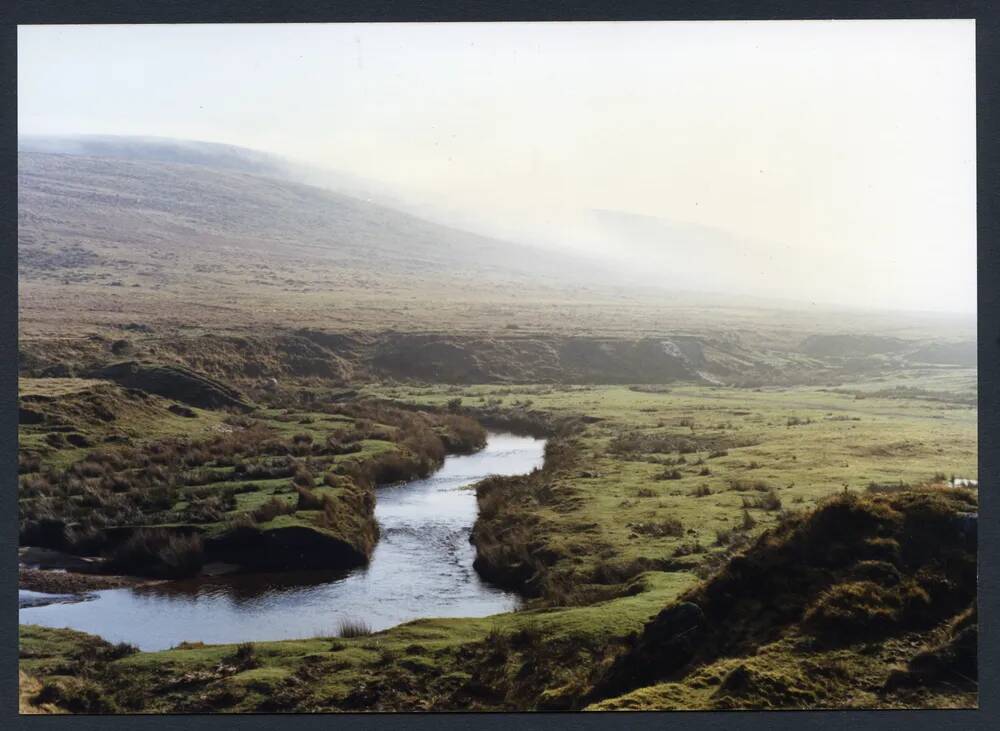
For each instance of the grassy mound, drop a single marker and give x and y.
(858, 569)
(949, 660)
(173, 382)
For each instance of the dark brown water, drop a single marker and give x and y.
(421, 567)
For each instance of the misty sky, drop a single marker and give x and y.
(823, 161)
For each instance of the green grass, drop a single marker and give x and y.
(143, 465)
(805, 442)
(426, 651)
(847, 443)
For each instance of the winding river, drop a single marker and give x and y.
(421, 567)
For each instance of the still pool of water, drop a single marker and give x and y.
(421, 567)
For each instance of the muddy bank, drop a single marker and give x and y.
(295, 547)
(65, 582)
(39, 557)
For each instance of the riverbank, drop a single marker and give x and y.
(677, 479)
(66, 582)
(158, 490)
(422, 566)
(670, 643)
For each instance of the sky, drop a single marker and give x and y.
(822, 161)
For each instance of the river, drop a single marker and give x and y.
(421, 567)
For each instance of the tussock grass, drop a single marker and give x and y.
(244, 657)
(741, 485)
(159, 553)
(350, 628)
(768, 501)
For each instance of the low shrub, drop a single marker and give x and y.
(76, 695)
(529, 635)
(27, 462)
(724, 536)
(767, 501)
(209, 509)
(110, 652)
(860, 608)
(666, 527)
(303, 477)
(877, 488)
(669, 475)
(687, 549)
(461, 433)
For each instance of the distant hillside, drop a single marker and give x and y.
(110, 217)
(849, 345)
(954, 353)
(117, 231)
(158, 149)
(211, 155)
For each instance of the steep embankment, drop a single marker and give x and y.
(340, 358)
(250, 358)
(818, 609)
(173, 382)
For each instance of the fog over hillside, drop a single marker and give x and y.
(819, 163)
(363, 221)
(80, 210)
(251, 200)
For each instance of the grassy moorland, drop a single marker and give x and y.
(157, 488)
(653, 499)
(671, 477)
